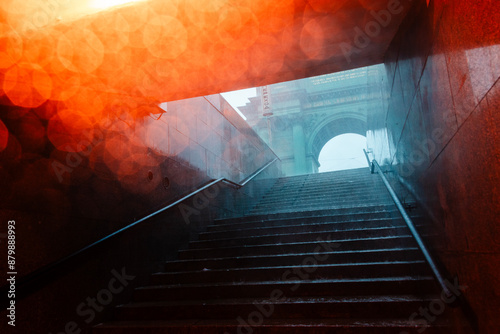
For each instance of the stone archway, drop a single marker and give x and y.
(332, 128)
(302, 116)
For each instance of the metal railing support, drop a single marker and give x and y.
(435, 270)
(35, 275)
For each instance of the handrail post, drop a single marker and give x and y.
(413, 230)
(370, 164)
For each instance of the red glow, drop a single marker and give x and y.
(326, 6)
(259, 61)
(32, 134)
(101, 75)
(373, 4)
(118, 147)
(4, 136)
(165, 37)
(139, 51)
(70, 131)
(65, 85)
(39, 49)
(11, 47)
(238, 28)
(80, 51)
(27, 85)
(312, 39)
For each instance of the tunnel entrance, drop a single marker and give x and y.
(297, 118)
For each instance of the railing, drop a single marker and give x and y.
(25, 285)
(249, 178)
(437, 274)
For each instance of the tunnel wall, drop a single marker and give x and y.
(441, 132)
(64, 198)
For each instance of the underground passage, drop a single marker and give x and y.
(138, 197)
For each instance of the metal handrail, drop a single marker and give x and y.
(368, 160)
(33, 276)
(250, 177)
(435, 270)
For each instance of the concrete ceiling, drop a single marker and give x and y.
(169, 50)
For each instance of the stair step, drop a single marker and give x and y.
(303, 236)
(394, 254)
(311, 269)
(332, 189)
(323, 253)
(297, 288)
(328, 188)
(347, 175)
(307, 213)
(299, 247)
(340, 175)
(289, 208)
(278, 306)
(295, 221)
(301, 227)
(272, 326)
(333, 192)
(323, 201)
(297, 226)
(312, 195)
(348, 180)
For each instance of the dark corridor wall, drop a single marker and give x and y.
(443, 137)
(68, 190)
(63, 199)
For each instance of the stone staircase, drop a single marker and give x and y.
(320, 253)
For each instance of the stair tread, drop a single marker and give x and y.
(338, 322)
(304, 233)
(306, 217)
(302, 221)
(288, 282)
(287, 300)
(306, 224)
(303, 243)
(327, 265)
(305, 213)
(300, 254)
(373, 274)
(293, 207)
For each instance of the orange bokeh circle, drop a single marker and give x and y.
(80, 50)
(27, 85)
(11, 47)
(238, 28)
(165, 37)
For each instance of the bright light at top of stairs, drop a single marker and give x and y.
(103, 4)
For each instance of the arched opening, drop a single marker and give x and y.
(344, 151)
(344, 130)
